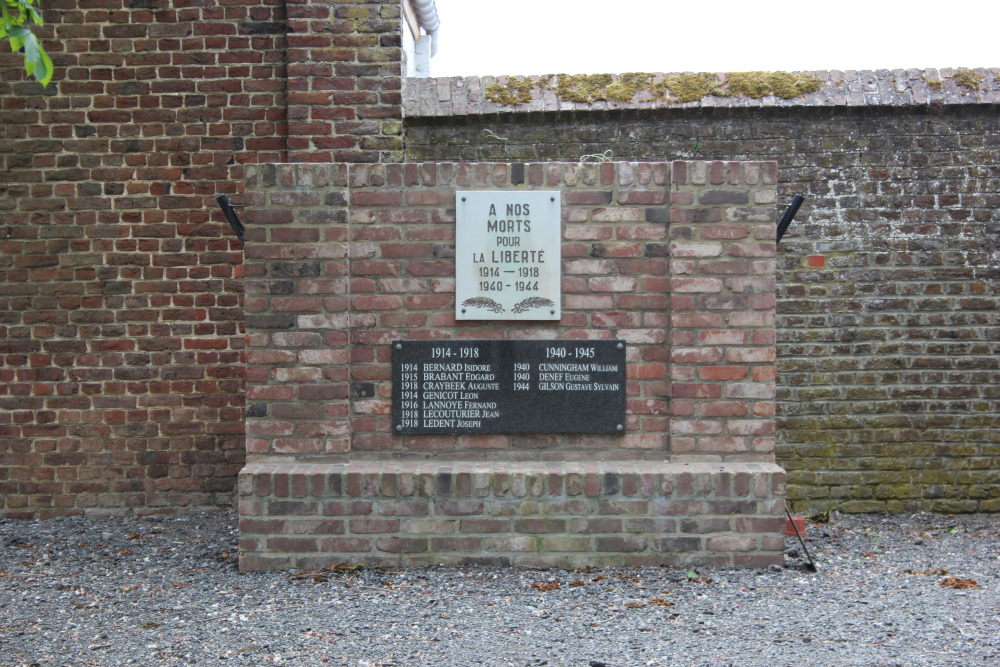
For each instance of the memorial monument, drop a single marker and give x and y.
(557, 364)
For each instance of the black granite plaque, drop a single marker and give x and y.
(508, 386)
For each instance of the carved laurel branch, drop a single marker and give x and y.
(483, 302)
(532, 302)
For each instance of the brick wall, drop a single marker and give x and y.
(120, 362)
(676, 260)
(888, 281)
(344, 81)
(121, 334)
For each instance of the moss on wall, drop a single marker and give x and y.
(511, 94)
(967, 79)
(692, 87)
(689, 87)
(781, 84)
(595, 87)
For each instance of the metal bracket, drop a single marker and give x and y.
(789, 215)
(234, 221)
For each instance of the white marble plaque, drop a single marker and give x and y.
(508, 255)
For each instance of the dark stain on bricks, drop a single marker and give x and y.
(220, 484)
(136, 430)
(334, 485)
(257, 321)
(657, 250)
(116, 287)
(443, 250)
(657, 214)
(154, 458)
(132, 88)
(262, 27)
(723, 197)
(270, 287)
(444, 484)
(362, 389)
(296, 269)
(517, 173)
(612, 484)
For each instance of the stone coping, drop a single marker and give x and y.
(465, 96)
(502, 478)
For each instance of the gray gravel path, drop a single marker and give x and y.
(113, 591)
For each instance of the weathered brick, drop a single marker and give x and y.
(366, 526)
(509, 544)
(620, 543)
(723, 372)
(535, 526)
(681, 285)
(681, 250)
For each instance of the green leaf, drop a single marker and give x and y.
(16, 14)
(30, 53)
(30, 43)
(8, 21)
(17, 37)
(35, 16)
(36, 61)
(47, 67)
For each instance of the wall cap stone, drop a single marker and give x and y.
(465, 96)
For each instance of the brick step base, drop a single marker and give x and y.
(607, 513)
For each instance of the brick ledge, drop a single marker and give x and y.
(307, 515)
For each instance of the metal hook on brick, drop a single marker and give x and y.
(234, 221)
(789, 215)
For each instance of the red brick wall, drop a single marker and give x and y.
(722, 300)
(121, 319)
(121, 382)
(342, 260)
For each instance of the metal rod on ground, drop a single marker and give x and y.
(789, 215)
(812, 564)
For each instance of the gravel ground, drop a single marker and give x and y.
(83, 591)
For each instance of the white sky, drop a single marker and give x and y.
(589, 37)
